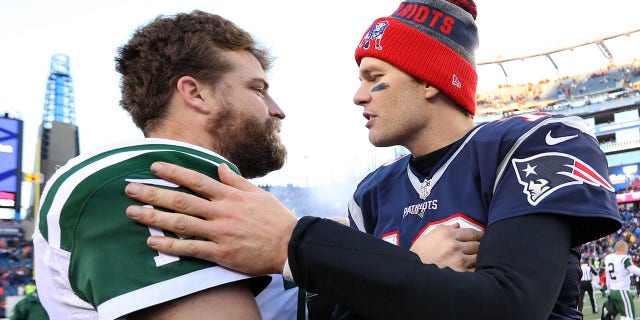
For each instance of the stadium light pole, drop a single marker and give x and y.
(555, 66)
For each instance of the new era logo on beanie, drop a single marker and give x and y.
(433, 40)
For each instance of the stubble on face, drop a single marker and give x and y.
(379, 141)
(252, 145)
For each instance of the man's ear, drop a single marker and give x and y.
(430, 91)
(192, 92)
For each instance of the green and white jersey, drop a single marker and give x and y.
(619, 268)
(91, 261)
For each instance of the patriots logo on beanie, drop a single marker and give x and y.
(432, 40)
(375, 33)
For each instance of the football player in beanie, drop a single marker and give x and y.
(536, 184)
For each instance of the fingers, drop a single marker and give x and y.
(464, 264)
(469, 247)
(193, 248)
(193, 180)
(237, 224)
(207, 187)
(470, 262)
(169, 199)
(468, 240)
(461, 263)
(449, 246)
(468, 234)
(201, 183)
(175, 222)
(230, 178)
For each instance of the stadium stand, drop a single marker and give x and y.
(560, 95)
(16, 267)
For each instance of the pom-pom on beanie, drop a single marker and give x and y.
(433, 40)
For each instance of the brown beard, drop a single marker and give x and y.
(254, 147)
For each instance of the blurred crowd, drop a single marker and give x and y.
(16, 269)
(630, 232)
(558, 94)
(598, 249)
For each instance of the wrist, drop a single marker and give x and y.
(284, 252)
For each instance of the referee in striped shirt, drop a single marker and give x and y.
(588, 271)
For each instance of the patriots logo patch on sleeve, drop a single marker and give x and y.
(545, 173)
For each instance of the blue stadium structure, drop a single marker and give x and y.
(59, 104)
(58, 134)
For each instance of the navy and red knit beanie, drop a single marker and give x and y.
(433, 40)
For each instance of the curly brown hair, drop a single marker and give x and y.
(170, 47)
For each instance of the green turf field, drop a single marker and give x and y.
(588, 313)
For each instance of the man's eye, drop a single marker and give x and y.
(374, 77)
(260, 91)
